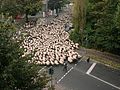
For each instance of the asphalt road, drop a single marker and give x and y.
(86, 76)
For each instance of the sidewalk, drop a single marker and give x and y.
(103, 57)
(59, 87)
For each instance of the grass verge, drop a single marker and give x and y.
(106, 62)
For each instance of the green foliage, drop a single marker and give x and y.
(9, 7)
(20, 7)
(102, 28)
(56, 4)
(15, 71)
(79, 18)
(30, 5)
(75, 36)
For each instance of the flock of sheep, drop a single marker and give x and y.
(50, 42)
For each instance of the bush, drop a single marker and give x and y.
(75, 36)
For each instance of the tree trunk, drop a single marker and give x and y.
(79, 13)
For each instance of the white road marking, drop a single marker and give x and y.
(104, 81)
(64, 75)
(67, 72)
(91, 68)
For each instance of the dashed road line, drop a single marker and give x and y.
(88, 73)
(67, 72)
(64, 75)
(104, 81)
(91, 68)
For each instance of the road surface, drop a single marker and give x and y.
(86, 76)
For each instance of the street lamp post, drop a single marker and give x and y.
(47, 5)
(45, 9)
(51, 71)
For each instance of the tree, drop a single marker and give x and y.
(9, 7)
(102, 29)
(97, 24)
(55, 4)
(30, 6)
(16, 7)
(15, 71)
(79, 13)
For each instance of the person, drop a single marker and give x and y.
(88, 60)
(65, 66)
(66, 25)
